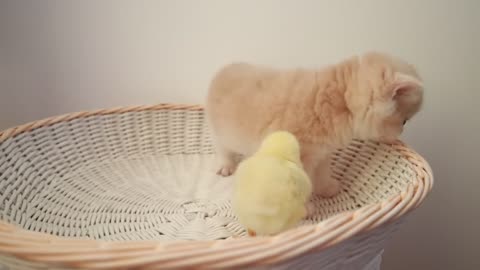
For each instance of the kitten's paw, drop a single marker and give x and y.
(226, 170)
(329, 189)
(309, 209)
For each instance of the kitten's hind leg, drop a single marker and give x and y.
(227, 161)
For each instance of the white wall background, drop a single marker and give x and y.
(62, 56)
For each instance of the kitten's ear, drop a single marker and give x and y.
(405, 85)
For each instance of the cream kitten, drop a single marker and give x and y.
(364, 97)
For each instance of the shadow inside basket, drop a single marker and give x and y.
(102, 178)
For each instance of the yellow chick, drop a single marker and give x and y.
(271, 187)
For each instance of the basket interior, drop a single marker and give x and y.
(150, 175)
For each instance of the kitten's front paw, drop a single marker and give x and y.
(309, 209)
(329, 189)
(226, 170)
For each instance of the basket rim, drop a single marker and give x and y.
(13, 131)
(232, 252)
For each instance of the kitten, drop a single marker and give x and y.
(365, 97)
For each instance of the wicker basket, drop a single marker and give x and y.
(136, 188)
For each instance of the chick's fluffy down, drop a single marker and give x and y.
(270, 194)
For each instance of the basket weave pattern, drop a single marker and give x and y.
(136, 187)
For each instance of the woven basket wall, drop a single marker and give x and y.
(136, 188)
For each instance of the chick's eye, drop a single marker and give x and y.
(404, 122)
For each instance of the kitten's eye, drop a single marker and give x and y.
(404, 122)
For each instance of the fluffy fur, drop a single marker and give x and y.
(366, 97)
(271, 187)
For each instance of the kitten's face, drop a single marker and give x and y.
(390, 93)
(387, 127)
